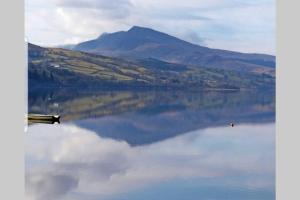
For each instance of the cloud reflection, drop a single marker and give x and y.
(69, 162)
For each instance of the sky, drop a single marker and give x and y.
(239, 25)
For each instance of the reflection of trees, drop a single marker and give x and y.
(73, 105)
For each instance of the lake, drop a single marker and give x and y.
(151, 145)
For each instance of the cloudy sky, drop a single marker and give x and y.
(241, 25)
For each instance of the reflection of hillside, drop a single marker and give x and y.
(74, 105)
(147, 117)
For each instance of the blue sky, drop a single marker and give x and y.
(240, 25)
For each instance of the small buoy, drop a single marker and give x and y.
(232, 124)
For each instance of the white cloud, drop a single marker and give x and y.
(247, 26)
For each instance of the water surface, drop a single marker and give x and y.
(127, 145)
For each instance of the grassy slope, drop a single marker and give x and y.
(60, 67)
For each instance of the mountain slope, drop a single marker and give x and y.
(139, 42)
(53, 67)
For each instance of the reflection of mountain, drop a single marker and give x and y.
(147, 117)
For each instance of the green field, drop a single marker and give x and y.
(53, 67)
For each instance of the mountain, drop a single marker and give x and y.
(140, 43)
(56, 67)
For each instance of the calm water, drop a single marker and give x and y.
(152, 146)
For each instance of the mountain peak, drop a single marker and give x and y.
(139, 28)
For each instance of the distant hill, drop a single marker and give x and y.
(140, 43)
(56, 67)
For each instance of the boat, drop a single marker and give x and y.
(40, 118)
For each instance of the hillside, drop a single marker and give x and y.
(140, 42)
(56, 67)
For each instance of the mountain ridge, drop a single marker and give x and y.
(140, 42)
